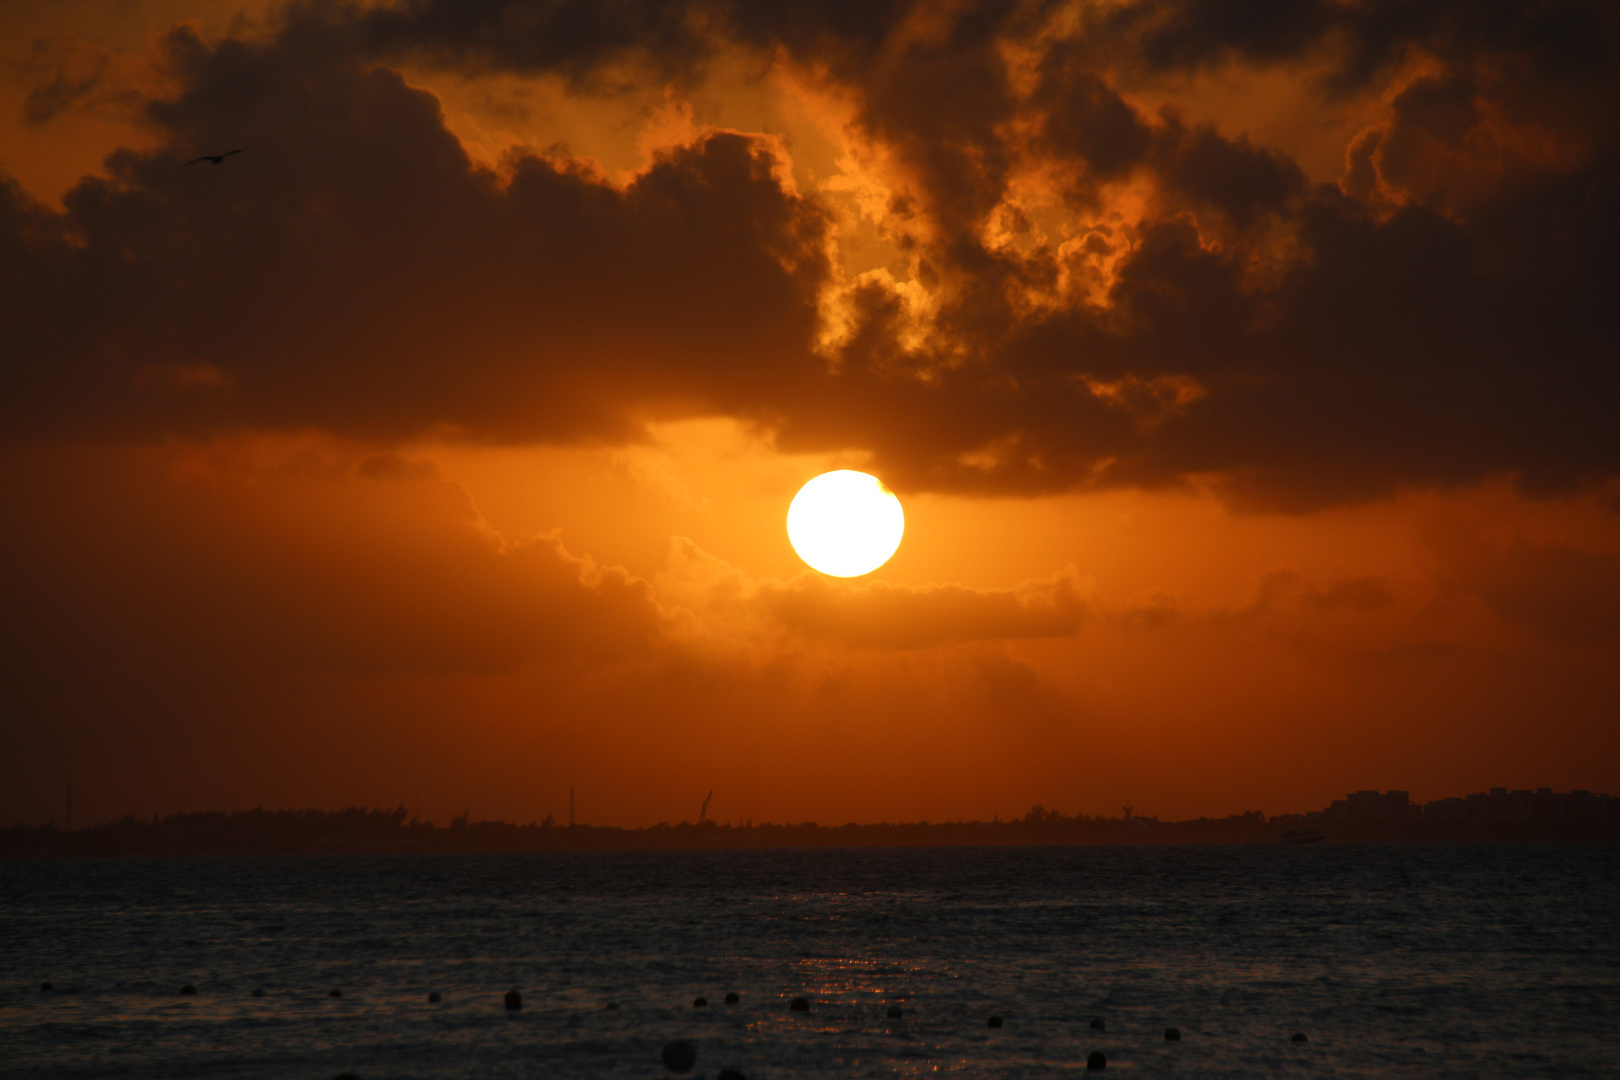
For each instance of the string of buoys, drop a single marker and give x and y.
(680, 1056)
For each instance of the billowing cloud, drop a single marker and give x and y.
(1435, 319)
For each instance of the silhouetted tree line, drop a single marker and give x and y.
(375, 831)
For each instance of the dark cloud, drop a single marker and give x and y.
(123, 568)
(1361, 40)
(355, 272)
(1562, 594)
(882, 615)
(1439, 318)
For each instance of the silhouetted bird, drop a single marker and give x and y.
(729, 1074)
(732, 999)
(46, 987)
(434, 998)
(894, 1012)
(513, 1000)
(995, 1021)
(1098, 1025)
(218, 159)
(1096, 1061)
(799, 1004)
(1172, 1034)
(1299, 1036)
(334, 993)
(258, 991)
(611, 1005)
(188, 989)
(700, 1003)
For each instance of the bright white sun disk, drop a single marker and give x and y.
(845, 523)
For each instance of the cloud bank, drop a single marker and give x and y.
(1083, 292)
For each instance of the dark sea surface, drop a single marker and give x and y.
(1412, 960)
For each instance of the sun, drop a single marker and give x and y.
(845, 523)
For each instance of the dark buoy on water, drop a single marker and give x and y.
(513, 1000)
(611, 1006)
(799, 1004)
(334, 992)
(1098, 1025)
(1096, 1062)
(700, 1003)
(732, 999)
(1172, 1034)
(188, 989)
(894, 1012)
(433, 998)
(46, 987)
(995, 1021)
(1299, 1036)
(679, 1056)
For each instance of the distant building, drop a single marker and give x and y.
(1389, 807)
(1522, 808)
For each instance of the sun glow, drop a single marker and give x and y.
(845, 523)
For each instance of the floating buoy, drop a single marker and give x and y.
(330, 993)
(1172, 1034)
(1096, 1062)
(700, 1003)
(679, 1056)
(995, 1021)
(188, 989)
(799, 1004)
(46, 987)
(1299, 1036)
(732, 999)
(513, 1000)
(1098, 1025)
(894, 1012)
(258, 991)
(433, 998)
(611, 1006)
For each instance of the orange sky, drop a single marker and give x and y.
(1248, 384)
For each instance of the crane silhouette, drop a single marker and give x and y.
(218, 159)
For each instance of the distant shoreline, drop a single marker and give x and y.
(386, 832)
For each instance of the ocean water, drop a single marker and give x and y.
(1420, 961)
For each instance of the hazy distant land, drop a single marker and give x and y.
(1367, 816)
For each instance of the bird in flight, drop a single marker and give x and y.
(217, 159)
